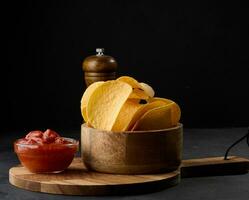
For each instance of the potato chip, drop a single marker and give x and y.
(85, 98)
(126, 114)
(175, 109)
(131, 81)
(148, 89)
(138, 94)
(155, 119)
(140, 90)
(83, 113)
(105, 103)
(143, 109)
(89, 92)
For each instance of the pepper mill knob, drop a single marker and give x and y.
(99, 67)
(100, 51)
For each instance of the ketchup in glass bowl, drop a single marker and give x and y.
(45, 152)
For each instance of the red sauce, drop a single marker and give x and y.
(45, 151)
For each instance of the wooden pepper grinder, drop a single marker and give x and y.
(99, 67)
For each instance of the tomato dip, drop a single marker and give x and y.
(45, 152)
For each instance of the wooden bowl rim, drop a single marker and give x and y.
(179, 126)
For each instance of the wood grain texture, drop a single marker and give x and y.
(99, 68)
(214, 166)
(77, 180)
(136, 152)
(94, 77)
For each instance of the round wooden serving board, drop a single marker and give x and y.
(77, 180)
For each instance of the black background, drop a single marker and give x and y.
(193, 53)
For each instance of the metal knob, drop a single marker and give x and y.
(100, 51)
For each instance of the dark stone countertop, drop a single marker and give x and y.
(197, 143)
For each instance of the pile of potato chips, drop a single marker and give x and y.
(125, 104)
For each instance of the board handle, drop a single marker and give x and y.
(214, 166)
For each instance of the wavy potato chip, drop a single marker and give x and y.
(148, 89)
(126, 114)
(138, 94)
(131, 81)
(175, 109)
(155, 119)
(142, 110)
(85, 98)
(105, 104)
(83, 113)
(140, 90)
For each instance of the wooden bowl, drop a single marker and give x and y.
(132, 152)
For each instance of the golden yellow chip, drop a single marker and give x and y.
(83, 113)
(155, 119)
(148, 89)
(142, 110)
(175, 109)
(85, 98)
(138, 94)
(140, 90)
(105, 104)
(126, 114)
(131, 81)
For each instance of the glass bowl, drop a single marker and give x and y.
(46, 158)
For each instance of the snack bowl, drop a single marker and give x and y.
(46, 158)
(132, 152)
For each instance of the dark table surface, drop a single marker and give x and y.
(197, 143)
